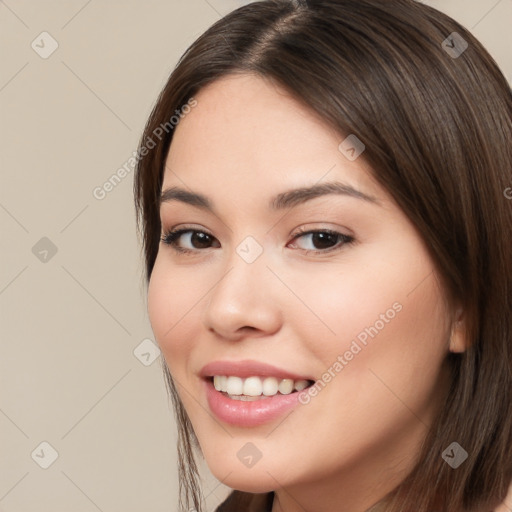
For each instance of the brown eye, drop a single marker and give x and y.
(324, 240)
(193, 240)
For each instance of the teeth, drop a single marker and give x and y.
(285, 386)
(235, 386)
(256, 386)
(251, 387)
(301, 384)
(270, 386)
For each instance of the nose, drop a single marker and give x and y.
(244, 302)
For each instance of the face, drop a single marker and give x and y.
(334, 287)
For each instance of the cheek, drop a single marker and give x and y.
(385, 314)
(391, 357)
(160, 306)
(171, 301)
(341, 306)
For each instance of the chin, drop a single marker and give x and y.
(247, 480)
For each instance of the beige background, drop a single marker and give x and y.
(71, 321)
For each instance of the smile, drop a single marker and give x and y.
(253, 387)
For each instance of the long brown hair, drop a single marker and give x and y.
(435, 114)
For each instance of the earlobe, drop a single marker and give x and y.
(458, 337)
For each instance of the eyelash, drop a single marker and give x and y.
(171, 237)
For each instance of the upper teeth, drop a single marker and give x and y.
(255, 386)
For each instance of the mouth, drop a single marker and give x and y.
(256, 387)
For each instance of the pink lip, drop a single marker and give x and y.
(248, 414)
(248, 368)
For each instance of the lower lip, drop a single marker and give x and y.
(248, 413)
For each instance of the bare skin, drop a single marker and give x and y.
(245, 142)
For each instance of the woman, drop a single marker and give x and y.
(328, 250)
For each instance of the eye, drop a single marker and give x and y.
(323, 240)
(320, 241)
(198, 239)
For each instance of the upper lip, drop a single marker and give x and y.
(248, 368)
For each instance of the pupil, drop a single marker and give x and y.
(322, 238)
(201, 238)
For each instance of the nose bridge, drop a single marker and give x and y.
(245, 279)
(243, 295)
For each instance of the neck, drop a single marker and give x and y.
(356, 489)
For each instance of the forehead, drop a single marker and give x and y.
(247, 131)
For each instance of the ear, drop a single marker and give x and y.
(458, 338)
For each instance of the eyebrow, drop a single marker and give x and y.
(281, 201)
